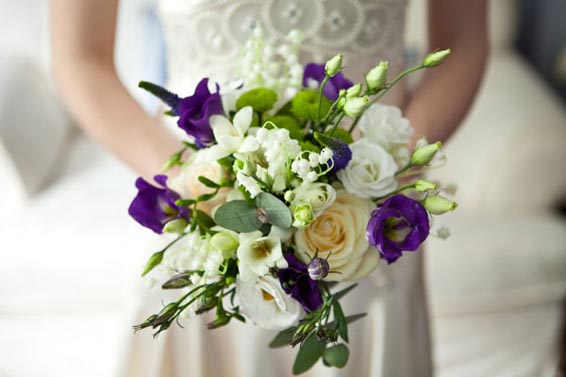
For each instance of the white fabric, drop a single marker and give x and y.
(202, 38)
(33, 130)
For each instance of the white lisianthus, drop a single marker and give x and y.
(257, 254)
(231, 137)
(187, 185)
(264, 302)
(319, 195)
(338, 235)
(371, 172)
(385, 125)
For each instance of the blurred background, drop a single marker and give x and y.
(70, 256)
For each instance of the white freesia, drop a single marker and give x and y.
(371, 172)
(257, 254)
(266, 304)
(385, 125)
(338, 235)
(231, 137)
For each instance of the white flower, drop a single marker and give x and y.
(257, 254)
(338, 235)
(371, 172)
(249, 183)
(231, 137)
(385, 125)
(266, 304)
(319, 195)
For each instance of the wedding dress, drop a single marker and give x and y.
(203, 38)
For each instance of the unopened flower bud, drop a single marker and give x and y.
(377, 76)
(443, 232)
(354, 91)
(318, 268)
(303, 215)
(424, 154)
(423, 185)
(437, 205)
(434, 58)
(334, 65)
(177, 226)
(227, 242)
(354, 107)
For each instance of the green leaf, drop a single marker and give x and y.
(283, 338)
(205, 197)
(277, 212)
(343, 135)
(153, 261)
(353, 318)
(341, 321)
(207, 182)
(238, 216)
(184, 202)
(311, 350)
(178, 281)
(204, 220)
(336, 356)
(344, 292)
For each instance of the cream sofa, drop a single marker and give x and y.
(69, 254)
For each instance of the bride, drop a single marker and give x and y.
(203, 37)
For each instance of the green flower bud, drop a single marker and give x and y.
(354, 91)
(176, 226)
(225, 241)
(377, 76)
(334, 65)
(434, 58)
(423, 185)
(303, 215)
(424, 154)
(437, 205)
(354, 107)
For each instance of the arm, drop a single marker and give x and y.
(446, 92)
(82, 39)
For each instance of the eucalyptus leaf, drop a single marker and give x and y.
(204, 220)
(336, 356)
(311, 350)
(277, 212)
(238, 216)
(283, 338)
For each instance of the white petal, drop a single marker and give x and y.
(243, 120)
(249, 144)
(220, 126)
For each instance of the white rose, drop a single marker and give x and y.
(319, 195)
(339, 235)
(371, 172)
(188, 185)
(385, 125)
(266, 304)
(257, 254)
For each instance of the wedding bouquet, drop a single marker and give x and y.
(277, 203)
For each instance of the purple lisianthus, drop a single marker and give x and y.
(314, 74)
(295, 281)
(153, 207)
(400, 224)
(195, 111)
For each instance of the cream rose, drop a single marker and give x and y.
(188, 185)
(339, 235)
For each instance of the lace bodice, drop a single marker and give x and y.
(203, 37)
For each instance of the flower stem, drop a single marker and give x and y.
(322, 85)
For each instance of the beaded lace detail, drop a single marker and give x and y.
(203, 37)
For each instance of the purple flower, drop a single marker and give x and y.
(400, 224)
(195, 111)
(295, 281)
(315, 72)
(153, 207)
